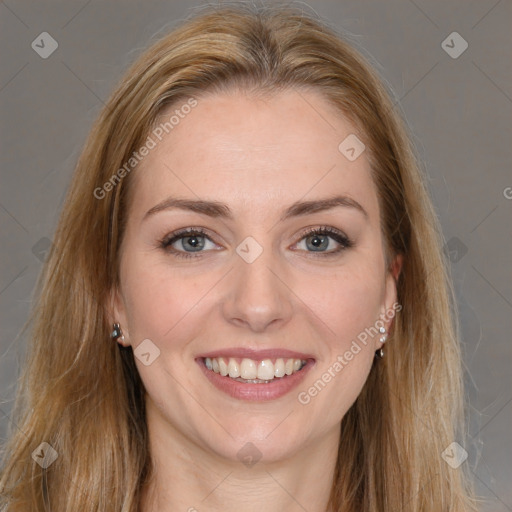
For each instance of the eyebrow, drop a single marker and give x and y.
(217, 209)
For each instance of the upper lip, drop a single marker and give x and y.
(257, 355)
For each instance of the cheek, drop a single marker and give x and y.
(154, 302)
(160, 299)
(349, 305)
(348, 301)
(162, 303)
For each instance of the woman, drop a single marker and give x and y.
(246, 229)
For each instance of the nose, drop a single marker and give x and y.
(257, 294)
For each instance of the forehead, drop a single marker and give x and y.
(253, 153)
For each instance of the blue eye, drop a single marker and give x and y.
(190, 238)
(317, 239)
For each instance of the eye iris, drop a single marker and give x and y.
(318, 240)
(194, 242)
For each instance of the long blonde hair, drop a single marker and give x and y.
(81, 393)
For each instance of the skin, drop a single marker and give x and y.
(257, 155)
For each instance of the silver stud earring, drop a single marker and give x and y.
(117, 333)
(379, 354)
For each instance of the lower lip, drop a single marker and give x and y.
(256, 392)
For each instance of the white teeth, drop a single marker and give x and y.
(248, 369)
(223, 367)
(279, 368)
(233, 368)
(266, 370)
(253, 381)
(251, 371)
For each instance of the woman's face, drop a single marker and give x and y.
(254, 294)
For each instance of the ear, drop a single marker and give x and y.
(390, 299)
(116, 313)
(396, 266)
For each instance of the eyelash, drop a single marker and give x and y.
(338, 236)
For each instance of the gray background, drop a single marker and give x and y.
(459, 112)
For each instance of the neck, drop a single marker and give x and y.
(188, 477)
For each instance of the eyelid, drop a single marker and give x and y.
(336, 234)
(180, 234)
(190, 231)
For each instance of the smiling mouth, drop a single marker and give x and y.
(251, 371)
